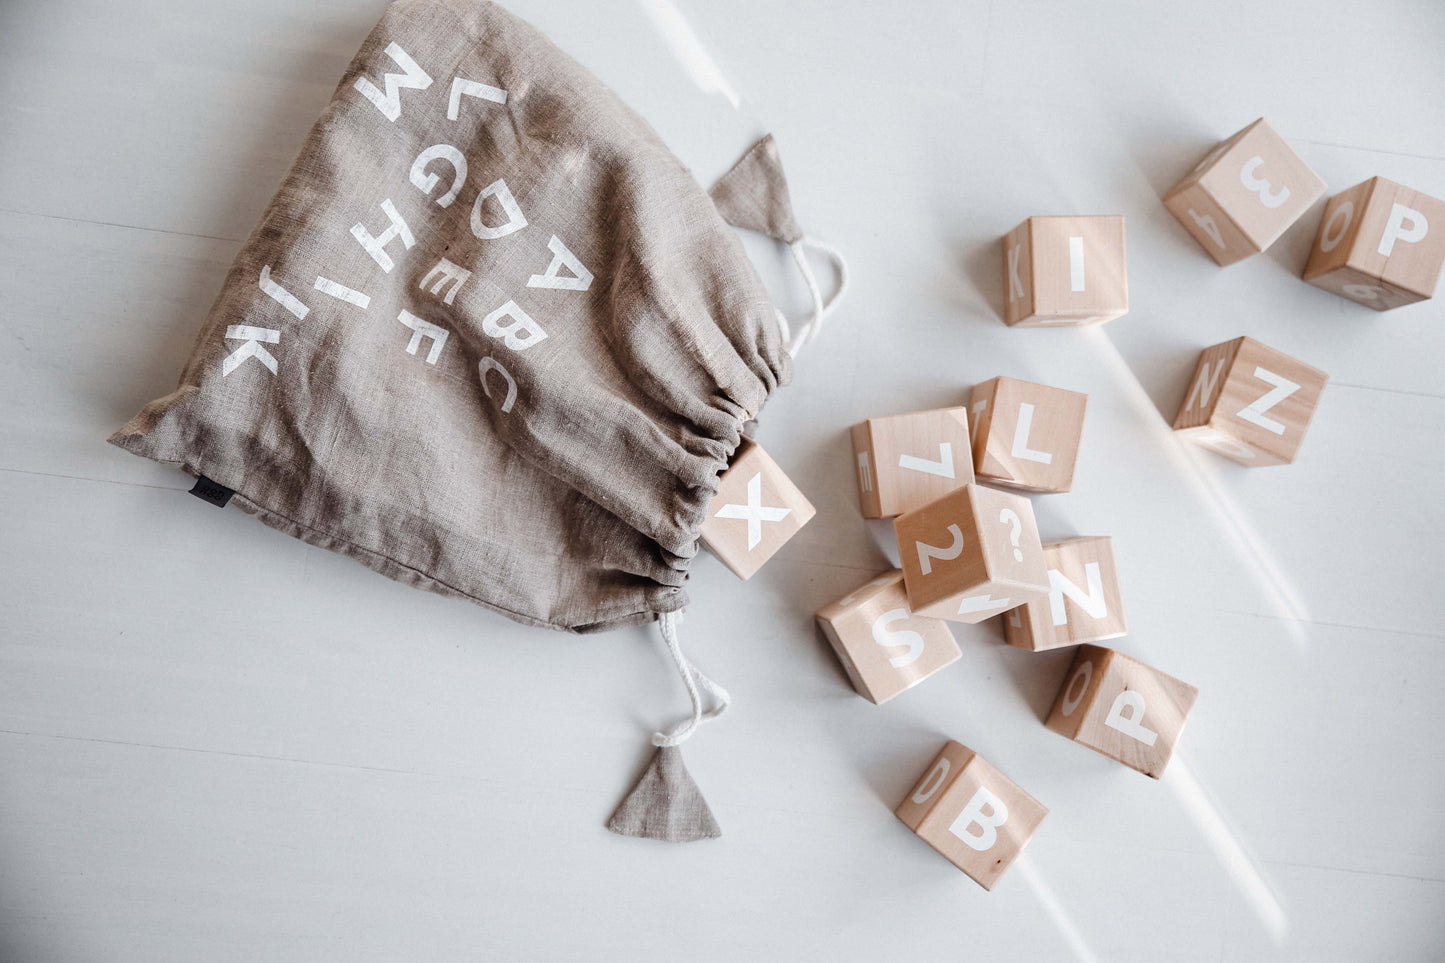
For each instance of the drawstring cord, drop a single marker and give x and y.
(821, 308)
(693, 678)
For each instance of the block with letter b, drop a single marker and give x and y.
(971, 554)
(1380, 244)
(1249, 402)
(1122, 708)
(1084, 604)
(1245, 193)
(1026, 435)
(755, 511)
(1065, 271)
(884, 647)
(906, 461)
(972, 814)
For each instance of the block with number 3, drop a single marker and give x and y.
(1026, 435)
(755, 511)
(971, 554)
(1380, 244)
(1065, 271)
(904, 462)
(1244, 194)
(1250, 403)
(972, 814)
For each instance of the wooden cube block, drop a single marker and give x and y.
(1379, 244)
(1245, 193)
(970, 555)
(883, 646)
(1084, 604)
(975, 816)
(1026, 435)
(1250, 402)
(1065, 271)
(756, 509)
(1122, 708)
(906, 461)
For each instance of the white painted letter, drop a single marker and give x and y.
(1395, 229)
(492, 364)
(445, 271)
(471, 88)
(389, 103)
(1021, 447)
(580, 280)
(516, 220)
(424, 329)
(251, 349)
(521, 334)
(376, 246)
(973, 815)
(1094, 603)
(1254, 411)
(888, 638)
(424, 182)
(1132, 724)
(282, 296)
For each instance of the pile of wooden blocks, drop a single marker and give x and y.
(955, 481)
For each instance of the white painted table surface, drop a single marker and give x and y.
(217, 743)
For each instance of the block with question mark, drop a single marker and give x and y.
(971, 554)
(884, 647)
(1380, 244)
(1250, 403)
(1065, 271)
(906, 461)
(1026, 435)
(971, 814)
(1122, 708)
(1083, 605)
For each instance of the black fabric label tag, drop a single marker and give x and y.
(213, 492)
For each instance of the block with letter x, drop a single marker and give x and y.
(755, 511)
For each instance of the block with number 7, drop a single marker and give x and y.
(1249, 402)
(904, 462)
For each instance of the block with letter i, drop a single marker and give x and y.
(755, 511)
(1249, 402)
(972, 814)
(971, 554)
(1065, 271)
(1245, 193)
(884, 647)
(1122, 708)
(906, 461)
(1026, 435)
(1380, 244)
(1084, 604)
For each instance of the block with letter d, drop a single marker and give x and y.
(1251, 403)
(1122, 708)
(1065, 271)
(971, 554)
(972, 814)
(756, 510)
(1026, 435)
(1380, 244)
(906, 461)
(884, 647)
(1084, 604)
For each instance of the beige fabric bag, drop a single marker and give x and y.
(490, 338)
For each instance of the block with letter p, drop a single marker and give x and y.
(1251, 403)
(1026, 435)
(906, 461)
(1084, 604)
(972, 814)
(1380, 244)
(756, 510)
(1065, 271)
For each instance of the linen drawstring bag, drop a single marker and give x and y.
(491, 339)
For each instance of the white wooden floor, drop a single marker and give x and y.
(217, 743)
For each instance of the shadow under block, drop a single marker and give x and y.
(904, 462)
(885, 648)
(1026, 435)
(1084, 604)
(1250, 403)
(972, 814)
(971, 554)
(1065, 271)
(1246, 192)
(1122, 708)
(1380, 244)
(755, 511)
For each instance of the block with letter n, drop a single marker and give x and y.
(1083, 605)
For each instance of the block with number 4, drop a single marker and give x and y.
(756, 509)
(904, 462)
(972, 814)
(884, 647)
(1065, 271)
(970, 555)
(1084, 604)
(1122, 708)
(1245, 193)
(1250, 402)
(1380, 244)
(1026, 435)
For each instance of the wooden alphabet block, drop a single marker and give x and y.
(756, 509)
(1122, 708)
(1245, 193)
(1380, 244)
(1084, 604)
(970, 555)
(906, 461)
(1026, 435)
(1065, 271)
(1250, 402)
(972, 814)
(884, 647)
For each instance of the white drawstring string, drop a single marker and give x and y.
(693, 678)
(821, 308)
